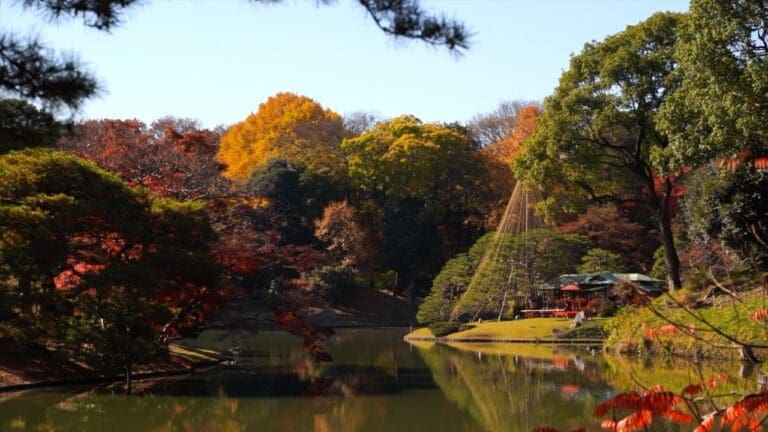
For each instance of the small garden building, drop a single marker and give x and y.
(599, 285)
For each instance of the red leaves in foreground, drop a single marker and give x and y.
(654, 402)
(668, 329)
(745, 414)
(748, 414)
(760, 315)
(710, 383)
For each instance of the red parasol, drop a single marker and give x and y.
(570, 287)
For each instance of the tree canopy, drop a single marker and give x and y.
(172, 157)
(405, 157)
(22, 125)
(422, 188)
(595, 139)
(722, 103)
(287, 126)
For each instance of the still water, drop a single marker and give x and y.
(376, 382)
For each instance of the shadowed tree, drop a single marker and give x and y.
(23, 125)
(609, 229)
(87, 258)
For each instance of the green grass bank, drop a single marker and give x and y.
(553, 330)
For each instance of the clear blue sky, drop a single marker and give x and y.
(216, 60)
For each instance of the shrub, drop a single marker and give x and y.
(607, 309)
(334, 283)
(444, 328)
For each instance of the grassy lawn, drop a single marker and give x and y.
(421, 333)
(529, 328)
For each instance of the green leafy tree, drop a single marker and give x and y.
(476, 282)
(446, 290)
(730, 207)
(599, 261)
(722, 103)
(404, 157)
(594, 142)
(422, 188)
(89, 260)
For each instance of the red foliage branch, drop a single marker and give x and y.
(747, 414)
(293, 322)
(656, 401)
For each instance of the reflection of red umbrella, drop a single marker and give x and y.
(570, 287)
(570, 389)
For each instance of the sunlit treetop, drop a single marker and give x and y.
(511, 144)
(406, 157)
(287, 126)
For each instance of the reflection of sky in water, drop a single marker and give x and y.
(376, 383)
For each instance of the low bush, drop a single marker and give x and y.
(444, 328)
(334, 283)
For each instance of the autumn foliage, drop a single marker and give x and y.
(633, 411)
(172, 157)
(506, 149)
(694, 405)
(88, 260)
(287, 126)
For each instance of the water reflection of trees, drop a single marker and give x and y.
(517, 388)
(376, 383)
(505, 392)
(734, 378)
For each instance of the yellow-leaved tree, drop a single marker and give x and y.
(290, 127)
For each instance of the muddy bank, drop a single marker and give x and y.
(25, 369)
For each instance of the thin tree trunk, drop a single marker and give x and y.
(671, 259)
(128, 378)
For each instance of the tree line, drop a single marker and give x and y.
(120, 236)
(153, 230)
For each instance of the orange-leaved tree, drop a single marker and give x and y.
(508, 147)
(287, 126)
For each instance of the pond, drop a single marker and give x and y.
(377, 382)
